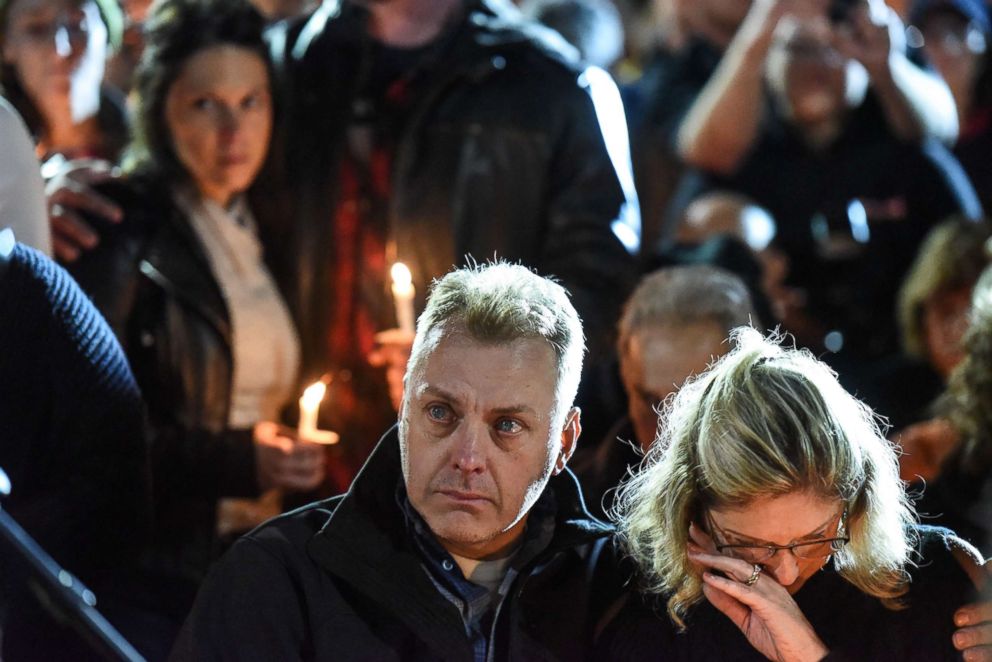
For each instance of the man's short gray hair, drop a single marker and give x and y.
(500, 303)
(680, 296)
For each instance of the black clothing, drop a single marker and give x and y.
(500, 153)
(342, 579)
(900, 388)
(602, 470)
(71, 442)
(656, 104)
(850, 216)
(960, 498)
(975, 144)
(854, 626)
(152, 280)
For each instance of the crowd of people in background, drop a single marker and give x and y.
(222, 187)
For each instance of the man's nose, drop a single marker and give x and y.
(468, 454)
(784, 567)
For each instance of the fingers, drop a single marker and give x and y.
(67, 201)
(747, 595)
(702, 539)
(81, 197)
(730, 607)
(91, 171)
(293, 467)
(70, 234)
(974, 614)
(980, 654)
(739, 570)
(976, 636)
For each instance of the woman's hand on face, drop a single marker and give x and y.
(765, 612)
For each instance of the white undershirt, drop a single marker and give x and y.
(264, 344)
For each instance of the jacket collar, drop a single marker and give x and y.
(176, 260)
(365, 544)
(491, 23)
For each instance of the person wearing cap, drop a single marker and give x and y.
(953, 37)
(52, 59)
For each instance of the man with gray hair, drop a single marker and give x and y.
(675, 323)
(464, 536)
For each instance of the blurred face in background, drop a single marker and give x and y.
(219, 114)
(657, 360)
(58, 49)
(945, 321)
(728, 14)
(956, 49)
(806, 73)
(120, 68)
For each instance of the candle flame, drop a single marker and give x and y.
(314, 394)
(401, 274)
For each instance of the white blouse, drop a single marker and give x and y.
(265, 345)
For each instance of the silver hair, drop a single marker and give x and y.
(499, 303)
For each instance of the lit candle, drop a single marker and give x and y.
(309, 406)
(403, 293)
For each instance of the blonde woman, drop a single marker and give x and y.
(770, 521)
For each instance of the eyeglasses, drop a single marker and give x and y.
(758, 554)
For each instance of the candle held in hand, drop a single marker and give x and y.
(309, 406)
(403, 293)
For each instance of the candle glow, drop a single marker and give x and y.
(309, 406)
(403, 295)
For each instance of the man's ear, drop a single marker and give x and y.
(569, 437)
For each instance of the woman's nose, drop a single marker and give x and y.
(784, 567)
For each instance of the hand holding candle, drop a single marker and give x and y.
(403, 294)
(309, 406)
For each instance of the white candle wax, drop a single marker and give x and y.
(309, 406)
(403, 294)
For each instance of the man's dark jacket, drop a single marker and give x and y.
(502, 154)
(342, 580)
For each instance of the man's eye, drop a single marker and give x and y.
(508, 426)
(203, 103)
(438, 413)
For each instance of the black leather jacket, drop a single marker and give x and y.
(151, 279)
(505, 153)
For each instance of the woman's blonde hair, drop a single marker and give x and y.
(761, 422)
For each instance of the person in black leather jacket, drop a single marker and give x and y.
(183, 285)
(470, 135)
(432, 132)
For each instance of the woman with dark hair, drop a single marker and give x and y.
(184, 285)
(52, 58)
